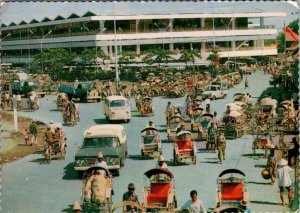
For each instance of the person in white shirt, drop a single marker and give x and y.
(215, 120)
(194, 205)
(284, 180)
(161, 163)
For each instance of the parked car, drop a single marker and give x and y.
(108, 139)
(214, 92)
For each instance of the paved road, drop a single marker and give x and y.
(30, 185)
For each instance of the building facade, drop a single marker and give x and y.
(234, 34)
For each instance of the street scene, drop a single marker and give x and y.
(149, 107)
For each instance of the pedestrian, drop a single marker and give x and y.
(207, 103)
(180, 128)
(212, 137)
(76, 207)
(272, 165)
(33, 131)
(194, 205)
(221, 143)
(130, 195)
(284, 180)
(216, 120)
(19, 101)
(246, 83)
(294, 152)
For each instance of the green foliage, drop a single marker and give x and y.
(281, 37)
(52, 61)
(158, 56)
(127, 57)
(294, 26)
(89, 56)
(189, 56)
(214, 56)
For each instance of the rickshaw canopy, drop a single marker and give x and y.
(208, 115)
(268, 101)
(286, 102)
(176, 116)
(231, 171)
(157, 171)
(147, 98)
(149, 129)
(183, 133)
(198, 108)
(234, 114)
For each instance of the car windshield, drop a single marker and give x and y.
(101, 142)
(118, 103)
(213, 88)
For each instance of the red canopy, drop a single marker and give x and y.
(290, 35)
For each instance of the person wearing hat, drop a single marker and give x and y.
(130, 195)
(161, 163)
(76, 208)
(33, 131)
(221, 143)
(212, 137)
(100, 161)
(272, 165)
(170, 110)
(284, 180)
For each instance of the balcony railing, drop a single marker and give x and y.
(121, 31)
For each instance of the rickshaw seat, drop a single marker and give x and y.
(184, 146)
(148, 139)
(232, 191)
(158, 192)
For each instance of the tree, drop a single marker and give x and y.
(127, 57)
(158, 56)
(90, 56)
(214, 57)
(189, 56)
(53, 61)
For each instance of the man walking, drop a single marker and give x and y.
(33, 131)
(284, 180)
(221, 142)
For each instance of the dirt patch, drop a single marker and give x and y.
(13, 145)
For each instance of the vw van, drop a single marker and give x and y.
(117, 108)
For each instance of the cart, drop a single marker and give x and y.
(159, 196)
(232, 191)
(150, 141)
(184, 148)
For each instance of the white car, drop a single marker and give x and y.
(117, 108)
(214, 92)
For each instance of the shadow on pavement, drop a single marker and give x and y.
(167, 141)
(140, 157)
(264, 202)
(259, 183)
(260, 166)
(53, 110)
(253, 155)
(213, 162)
(70, 173)
(100, 121)
(171, 163)
(68, 210)
(40, 161)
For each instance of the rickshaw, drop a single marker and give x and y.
(202, 124)
(184, 147)
(268, 107)
(286, 116)
(55, 149)
(196, 117)
(160, 195)
(59, 100)
(232, 192)
(173, 123)
(183, 111)
(97, 190)
(234, 125)
(150, 141)
(146, 106)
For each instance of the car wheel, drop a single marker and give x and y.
(80, 174)
(117, 173)
(214, 97)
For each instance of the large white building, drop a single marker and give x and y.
(236, 31)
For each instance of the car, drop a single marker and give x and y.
(110, 140)
(214, 92)
(117, 108)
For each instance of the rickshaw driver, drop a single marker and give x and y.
(101, 162)
(170, 109)
(50, 139)
(93, 187)
(180, 128)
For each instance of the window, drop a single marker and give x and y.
(101, 142)
(118, 103)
